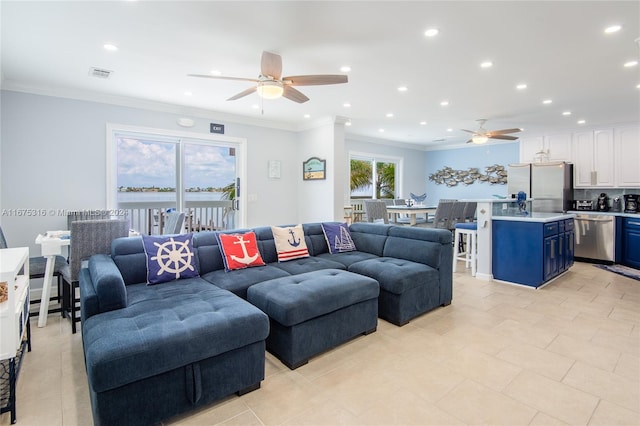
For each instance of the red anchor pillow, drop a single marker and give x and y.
(239, 251)
(290, 243)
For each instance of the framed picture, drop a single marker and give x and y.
(314, 169)
(274, 169)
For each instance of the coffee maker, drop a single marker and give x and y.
(602, 205)
(631, 203)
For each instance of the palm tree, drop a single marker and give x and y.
(229, 192)
(360, 174)
(361, 177)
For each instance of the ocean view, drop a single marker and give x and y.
(138, 197)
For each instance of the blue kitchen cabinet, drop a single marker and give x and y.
(531, 253)
(631, 242)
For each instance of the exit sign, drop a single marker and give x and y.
(217, 128)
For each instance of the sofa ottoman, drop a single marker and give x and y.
(313, 312)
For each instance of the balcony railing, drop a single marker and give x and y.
(149, 218)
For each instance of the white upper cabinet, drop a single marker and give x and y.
(627, 155)
(593, 159)
(557, 147)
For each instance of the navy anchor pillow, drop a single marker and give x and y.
(338, 237)
(290, 243)
(169, 258)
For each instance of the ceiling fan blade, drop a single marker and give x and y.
(470, 131)
(271, 65)
(505, 137)
(470, 140)
(294, 95)
(504, 131)
(315, 80)
(219, 77)
(242, 94)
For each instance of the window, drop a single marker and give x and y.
(373, 177)
(151, 172)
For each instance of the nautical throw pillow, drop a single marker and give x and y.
(290, 243)
(169, 258)
(338, 237)
(239, 251)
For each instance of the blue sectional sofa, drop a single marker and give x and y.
(154, 351)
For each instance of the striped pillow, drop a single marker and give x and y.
(290, 243)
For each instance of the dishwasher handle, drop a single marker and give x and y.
(588, 219)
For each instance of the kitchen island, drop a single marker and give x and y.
(532, 249)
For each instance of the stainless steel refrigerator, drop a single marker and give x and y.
(550, 185)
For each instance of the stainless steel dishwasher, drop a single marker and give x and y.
(595, 237)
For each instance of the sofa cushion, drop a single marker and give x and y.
(308, 264)
(166, 327)
(239, 281)
(239, 251)
(369, 237)
(298, 298)
(290, 242)
(338, 237)
(169, 257)
(396, 275)
(348, 257)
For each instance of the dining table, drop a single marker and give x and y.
(51, 244)
(412, 211)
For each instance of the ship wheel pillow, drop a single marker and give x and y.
(169, 258)
(338, 237)
(290, 243)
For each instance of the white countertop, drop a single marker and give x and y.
(621, 214)
(537, 217)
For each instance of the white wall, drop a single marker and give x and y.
(54, 157)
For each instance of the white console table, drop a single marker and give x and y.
(15, 332)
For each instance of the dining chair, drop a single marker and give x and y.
(443, 214)
(37, 266)
(457, 214)
(470, 211)
(405, 218)
(376, 210)
(174, 223)
(88, 237)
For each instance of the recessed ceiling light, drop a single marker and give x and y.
(403, 89)
(521, 86)
(612, 29)
(581, 121)
(389, 114)
(111, 47)
(566, 113)
(255, 106)
(188, 93)
(348, 123)
(345, 68)
(381, 130)
(307, 116)
(638, 86)
(631, 64)
(449, 130)
(215, 72)
(423, 123)
(346, 105)
(486, 64)
(444, 103)
(547, 101)
(431, 32)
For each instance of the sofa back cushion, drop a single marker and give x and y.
(208, 255)
(129, 256)
(369, 237)
(266, 244)
(315, 238)
(418, 244)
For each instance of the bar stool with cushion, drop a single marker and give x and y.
(468, 251)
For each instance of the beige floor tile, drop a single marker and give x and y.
(542, 419)
(608, 414)
(246, 418)
(605, 385)
(329, 413)
(629, 344)
(555, 399)
(475, 404)
(518, 332)
(216, 413)
(628, 366)
(588, 352)
(532, 358)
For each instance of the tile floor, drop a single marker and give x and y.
(498, 355)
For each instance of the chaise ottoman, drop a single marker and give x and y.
(313, 312)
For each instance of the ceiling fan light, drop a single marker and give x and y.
(270, 89)
(479, 139)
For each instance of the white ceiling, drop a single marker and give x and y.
(558, 48)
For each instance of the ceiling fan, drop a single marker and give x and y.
(481, 135)
(271, 85)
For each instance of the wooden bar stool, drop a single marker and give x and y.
(468, 251)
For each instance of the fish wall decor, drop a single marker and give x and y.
(494, 175)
